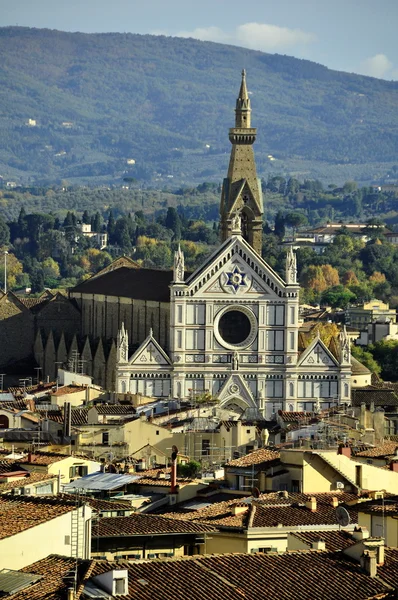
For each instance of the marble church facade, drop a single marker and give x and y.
(233, 323)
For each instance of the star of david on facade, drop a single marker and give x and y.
(236, 279)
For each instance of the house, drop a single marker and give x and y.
(34, 528)
(380, 329)
(302, 575)
(146, 536)
(362, 316)
(252, 470)
(264, 523)
(380, 517)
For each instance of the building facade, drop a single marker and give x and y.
(234, 322)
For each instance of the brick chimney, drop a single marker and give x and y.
(344, 450)
(394, 466)
(319, 544)
(369, 562)
(311, 504)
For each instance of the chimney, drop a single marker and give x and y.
(71, 594)
(174, 453)
(376, 545)
(344, 450)
(360, 533)
(368, 562)
(318, 544)
(335, 502)
(394, 466)
(239, 509)
(29, 457)
(380, 555)
(311, 504)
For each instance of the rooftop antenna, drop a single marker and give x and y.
(342, 517)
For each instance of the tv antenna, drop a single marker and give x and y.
(342, 516)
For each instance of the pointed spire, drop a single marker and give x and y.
(291, 266)
(179, 268)
(243, 110)
(151, 332)
(243, 94)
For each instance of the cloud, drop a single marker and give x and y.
(257, 36)
(379, 66)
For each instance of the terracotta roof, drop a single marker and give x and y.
(357, 368)
(153, 477)
(115, 409)
(257, 457)
(271, 510)
(100, 505)
(42, 458)
(79, 416)
(69, 389)
(142, 524)
(386, 449)
(294, 416)
(334, 540)
(369, 394)
(303, 575)
(18, 513)
(25, 480)
(295, 515)
(140, 284)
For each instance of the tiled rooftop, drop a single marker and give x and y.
(305, 575)
(115, 409)
(18, 513)
(386, 449)
(263, 455)
(271, 510)
(334, 540)
(25, 480)
(294, 416)
(142, 524)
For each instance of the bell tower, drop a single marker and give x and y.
(241, 193)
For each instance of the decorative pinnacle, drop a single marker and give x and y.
(243, 94)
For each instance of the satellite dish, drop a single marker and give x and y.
(342, 516)
(256, 492)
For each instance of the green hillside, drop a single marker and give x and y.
(167, 103)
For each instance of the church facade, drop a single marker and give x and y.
(234, 322)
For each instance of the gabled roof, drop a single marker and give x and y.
(150, 353)
(125, 282)
(305, 357)
(301, 575)
(258, 457)
(143, 524)
(237, 246)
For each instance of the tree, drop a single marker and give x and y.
(190, 470)
(349, 278)
(385, 354)
(295, 220)
(337, 297)
(51, 272)
(37, 280)
(86, 218)
(366, 358)
(4, 232)
(331, 275)
(14, 269)
(279, 225)
(312, 277)
(173, 222)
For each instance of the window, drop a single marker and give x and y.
(105, 437)
(157, 432)
(275, 315)
(195, 339)
(67, 540)
(120, 586)
(195, 314)
(205, 447)
(179, 313)
(274, 389)
(274, 340)
(78, 471)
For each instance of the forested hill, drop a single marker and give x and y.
(167, 103)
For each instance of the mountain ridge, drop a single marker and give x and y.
(167, 103)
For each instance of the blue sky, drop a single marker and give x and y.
(349, 35)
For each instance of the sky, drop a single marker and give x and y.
(348, 35)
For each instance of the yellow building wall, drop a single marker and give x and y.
(222, 543)
(36, 543)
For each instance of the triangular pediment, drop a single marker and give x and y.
(244, 197)
(317, 355)
(236, 269)
(149, 354)
(236, 388)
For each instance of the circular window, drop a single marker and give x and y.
(235, 327)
